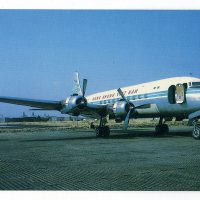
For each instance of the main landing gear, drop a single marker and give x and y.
(196, 130)
(102, 130)
(161, 128)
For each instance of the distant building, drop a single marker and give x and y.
(65, 118)
(35, 118)
(53, 118)
(2, 119)
(27, 119)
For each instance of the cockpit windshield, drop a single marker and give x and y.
(195, 84)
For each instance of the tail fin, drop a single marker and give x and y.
(77, 86)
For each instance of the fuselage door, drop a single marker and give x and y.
(180, 94)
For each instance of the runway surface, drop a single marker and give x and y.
(77, 160)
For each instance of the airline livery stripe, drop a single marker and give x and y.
(146, 96)
(135, 97)
(193, 91)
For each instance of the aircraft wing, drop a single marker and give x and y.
(97, 110)
(93, 110)
(43, 104)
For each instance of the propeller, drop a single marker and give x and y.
(123, 97)
(80, 91)
(77, 87)
(83, 101)
(84, 87)
(131, 108)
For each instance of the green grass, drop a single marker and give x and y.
(63, 125)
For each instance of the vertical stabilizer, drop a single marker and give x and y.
(77, 87)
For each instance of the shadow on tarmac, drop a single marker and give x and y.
(117, 134)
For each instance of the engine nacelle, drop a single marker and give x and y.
(74, 104)
(120, 109)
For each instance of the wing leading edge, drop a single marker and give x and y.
(43, 104)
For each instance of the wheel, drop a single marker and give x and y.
(158, 130)
(98, 131)
(196, 132)
(165, 128)
(161, 129)
(102, 131)
(106, 131)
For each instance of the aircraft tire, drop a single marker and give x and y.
(102, 131)
(196, 132)
(165, 128)
(106, 131)
(161, 129)
(98, 131)
(158, 130)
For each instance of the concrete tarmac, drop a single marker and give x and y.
(77, 160)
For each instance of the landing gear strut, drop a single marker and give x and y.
(161, 128)
(196, 130)
(102, 130)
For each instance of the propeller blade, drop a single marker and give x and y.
(131, 108)
(77, 88)
(122, 95)
(84, 86)
(126, 121)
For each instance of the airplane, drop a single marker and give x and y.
(167, 98)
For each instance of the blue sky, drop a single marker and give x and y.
(40, 50)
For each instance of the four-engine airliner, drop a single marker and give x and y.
(172, 97)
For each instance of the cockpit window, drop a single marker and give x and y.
(195, 84)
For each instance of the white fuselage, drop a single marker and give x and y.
(154, 93)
